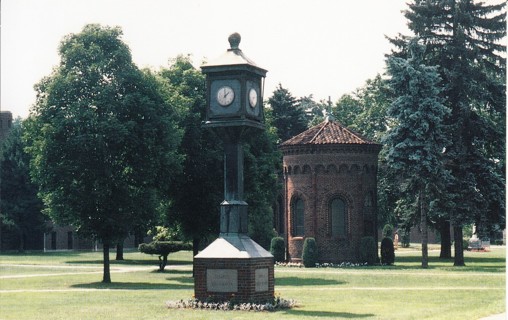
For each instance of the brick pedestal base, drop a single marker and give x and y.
(234, 267)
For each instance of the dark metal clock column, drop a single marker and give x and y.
(233, 216)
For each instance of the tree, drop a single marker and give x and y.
(262, 162)
(314, 111)
(165, 241)
(21, 210)
(285, 114)
(103, 141)
(163, 249)
(365, 111)
(463, 40)
(347, 109)
(198, 190)
(416, 143)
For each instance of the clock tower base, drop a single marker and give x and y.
(234, 267)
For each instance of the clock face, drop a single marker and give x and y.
(253, 97)
(225, 96)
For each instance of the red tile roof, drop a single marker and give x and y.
(327, 132)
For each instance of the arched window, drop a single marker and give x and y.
(298, 218)
(338, 210)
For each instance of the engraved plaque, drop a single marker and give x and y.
(222, 280)
(261, 279)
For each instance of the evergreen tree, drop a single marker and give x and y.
(20, 208)
(416, 143)
(286, 115)
(462, 38)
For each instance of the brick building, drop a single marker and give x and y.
(66, 238)
(330, 190)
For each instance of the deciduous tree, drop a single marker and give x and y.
(198, 188)
(103, 141)
(20, 208)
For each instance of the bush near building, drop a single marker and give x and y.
(277, 249)
(310, 253)
(387, 251)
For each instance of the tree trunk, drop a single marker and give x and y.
(446, 241)
(21, 243)
(119, 251)
(163, 261)
(106, 278)
(459, 248)
(423, 223)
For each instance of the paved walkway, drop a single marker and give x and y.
(501, 316)
(97, 269)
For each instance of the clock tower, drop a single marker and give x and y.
(234, 89)
(234, 265)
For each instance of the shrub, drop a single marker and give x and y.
(310, 253)
(163, 249)
(368, 250)
(277, 249)
(387, 251)
(387, 231)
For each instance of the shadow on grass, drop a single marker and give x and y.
(133, 286)
(172, 271)
(183, 280)
(295, 281)
(328, 314)
(130, 262)
(473, 264)
(40, 253)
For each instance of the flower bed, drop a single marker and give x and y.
(277, 304)
(321, 265)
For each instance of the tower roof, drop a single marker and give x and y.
(328, 132)
(233, 59)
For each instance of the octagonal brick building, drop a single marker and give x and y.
(330, 183)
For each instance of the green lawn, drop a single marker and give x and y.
(67, 286)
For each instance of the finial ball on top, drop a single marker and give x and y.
(234, 40)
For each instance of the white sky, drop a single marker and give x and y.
(320, 47)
